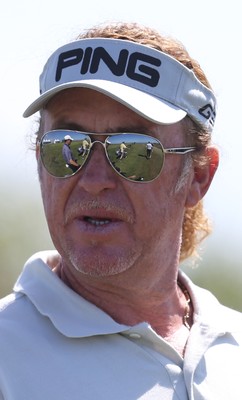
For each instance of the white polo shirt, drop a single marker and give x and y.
(56, 345)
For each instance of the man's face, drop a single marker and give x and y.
(100, 223)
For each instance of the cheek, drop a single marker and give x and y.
(54, 194)
(149, 209)
(159, 206)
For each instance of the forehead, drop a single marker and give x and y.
(95, 112)
(87, 100)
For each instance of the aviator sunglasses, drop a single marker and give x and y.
(134, 156)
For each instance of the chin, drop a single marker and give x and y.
(100, 263)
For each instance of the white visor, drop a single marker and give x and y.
(148, 81)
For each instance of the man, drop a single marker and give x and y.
(121, 150)
(67, 154)
(85, 146)
(148, 150)
(109, 315)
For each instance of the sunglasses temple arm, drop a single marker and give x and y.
(179, 150)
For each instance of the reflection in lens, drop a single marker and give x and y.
(136, 157)
(57, 151)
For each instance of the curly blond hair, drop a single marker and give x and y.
(196, 225)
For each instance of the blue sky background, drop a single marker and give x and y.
(211, 30)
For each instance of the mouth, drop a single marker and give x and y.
(98, 214)
(97, 221)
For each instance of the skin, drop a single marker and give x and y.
(138, 245)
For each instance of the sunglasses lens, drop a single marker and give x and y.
(136, 157)
(56, 151)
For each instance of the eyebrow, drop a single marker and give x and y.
(70, 125)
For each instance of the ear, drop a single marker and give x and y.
(202, 177)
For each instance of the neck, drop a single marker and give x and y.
(164, 305)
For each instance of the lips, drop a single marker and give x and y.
(98, 213)
(97, 226)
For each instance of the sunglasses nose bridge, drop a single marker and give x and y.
(98, 141)
(103, 144)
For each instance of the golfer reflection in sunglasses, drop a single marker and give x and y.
(109, 314)
(68, 155)
(149, 149)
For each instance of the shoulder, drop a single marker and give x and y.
(12, 312)
(11, 304)
(8, 302)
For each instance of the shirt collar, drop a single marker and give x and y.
(71, 314)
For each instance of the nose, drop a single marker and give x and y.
(97, 174)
